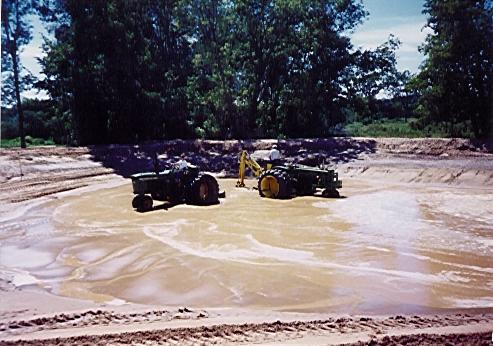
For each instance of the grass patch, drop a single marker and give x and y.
(391, 128)
(30, 142)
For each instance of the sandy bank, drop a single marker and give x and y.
(30, 173)
(444, 183)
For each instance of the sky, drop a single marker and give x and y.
(403, 18)
(31, 53)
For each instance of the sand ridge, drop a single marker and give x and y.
(34, 172)
(372, 330)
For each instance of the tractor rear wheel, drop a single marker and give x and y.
(274, 184)
(204, 190)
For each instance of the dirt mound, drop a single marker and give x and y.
(371, 330)
(435, 146)
(34, 172)
(430, 339)
(95, 318)
(31, 173)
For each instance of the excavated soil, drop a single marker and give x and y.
(410, 240)
(369, 331)
(35, 172)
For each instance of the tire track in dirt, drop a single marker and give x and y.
(471, 339)
(42, 184)
(374, 328)
(95, 318)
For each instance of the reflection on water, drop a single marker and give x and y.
(375, 250)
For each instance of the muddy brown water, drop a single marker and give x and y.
(383, 248)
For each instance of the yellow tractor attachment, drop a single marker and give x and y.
(247, 161)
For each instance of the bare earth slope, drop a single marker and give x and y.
(30, 315)
(439, 330)
(31, 173)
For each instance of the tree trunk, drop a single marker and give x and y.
(12, 50)
(20, 111)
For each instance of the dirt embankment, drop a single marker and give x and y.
(394, 330)
(29, 173)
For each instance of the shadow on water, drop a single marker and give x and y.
(222, 156)
(163, 206)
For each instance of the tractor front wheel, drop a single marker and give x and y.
(330, 193)
(142, 203)
(136, 201)
(146, 203)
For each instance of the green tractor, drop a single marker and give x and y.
(175, 185)
(291, 180)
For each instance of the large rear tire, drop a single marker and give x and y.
(274, 184)
(204, 190)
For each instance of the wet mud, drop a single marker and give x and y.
(384, 248)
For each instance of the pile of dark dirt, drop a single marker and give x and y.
(34, 172)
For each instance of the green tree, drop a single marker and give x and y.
(16, 33)
(374, 72)
(129, 71)
(456, 79)
(58, 66)
(292, 57)
(211, 87)
(121, 68)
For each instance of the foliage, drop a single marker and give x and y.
(135, 70)
(456, 79)
(40, 121)
(374, 72)
(121, 68)
(293, 54)
(30, 141)
(391, 128)
(211, 87)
